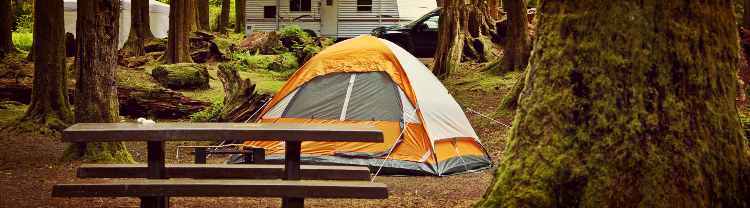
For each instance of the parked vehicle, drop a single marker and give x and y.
(337, 19)
(418, 37)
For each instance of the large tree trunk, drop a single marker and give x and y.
(203, 15)
(450, 39)
(631, 116)
(516, 50)
(49, 99)
(6, 22)
(146, 20)
(466, 27)
(96, 91)
(136, 39)
(239, 16)
(223, 21)
(180, 25)
(746, 15)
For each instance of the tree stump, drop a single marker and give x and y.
(240, 102)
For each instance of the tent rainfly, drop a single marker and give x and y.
(367, 80)
(159, 16)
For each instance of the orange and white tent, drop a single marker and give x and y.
(366, 80)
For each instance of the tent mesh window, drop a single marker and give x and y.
(347, 96)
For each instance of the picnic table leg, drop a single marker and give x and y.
(156, 170)
(200, 155)
(292, 172)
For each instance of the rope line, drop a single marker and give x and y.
(487, 117)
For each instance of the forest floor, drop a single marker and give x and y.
(30, 164)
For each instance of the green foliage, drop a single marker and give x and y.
(532, 3)
(253, 62)
(24, 19)
(284, 62)
(292, 36)
(209, 114)
(23, 40)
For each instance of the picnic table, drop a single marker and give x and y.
(156, 189)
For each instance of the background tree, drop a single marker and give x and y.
(49, 105)
(6, 23)
(465, 33)
(96, 101)
(180, 25)
(203, 15)
(134, 45)
(223, 20)
(145, 12)
(516, 50)
(239, 16)
(631, 116)
(450, 39)
(746, 15)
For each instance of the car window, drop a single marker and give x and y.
(432, 22)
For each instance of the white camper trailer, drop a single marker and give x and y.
(333, 18)
(159, 15)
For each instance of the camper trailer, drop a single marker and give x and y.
(336, 19)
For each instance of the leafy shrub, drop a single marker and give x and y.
(23, 40)
(209, 114)
(292, 36)
(284, 62)
(308, 52)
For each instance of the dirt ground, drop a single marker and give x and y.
(30, 166)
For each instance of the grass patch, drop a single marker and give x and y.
(23, 40)
(136, 78)
(10, 111)
(265, 82)
(483, 81)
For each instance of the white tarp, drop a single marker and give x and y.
(442, 117)
(159, 16)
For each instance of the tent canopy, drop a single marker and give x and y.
(159, 19)
(371, 81)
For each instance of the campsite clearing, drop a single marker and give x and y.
(27, 174)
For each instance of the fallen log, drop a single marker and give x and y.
(134, 102)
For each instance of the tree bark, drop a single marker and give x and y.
(96, 90)
(223, 20)
(746, 15)
(203, 15)
(180, 24)
(631, 116)
(450, 39)
(146, 20)
(6, 23)
(239, 16)
(49, 99)
(516, 51)
(136, 39)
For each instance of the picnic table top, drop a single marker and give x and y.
(183, 131)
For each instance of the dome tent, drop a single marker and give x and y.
(159, 15)
(366, 80)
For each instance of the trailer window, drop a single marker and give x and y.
(269, 12)
(300, 5)
(364, 5)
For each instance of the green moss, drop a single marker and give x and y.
(10, 111)
(210, 114)
(104, 152)
(182, 76)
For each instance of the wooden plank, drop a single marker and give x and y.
(226, 188)
(166, 131)
(292, 160)
(156, 170)
(208, 171)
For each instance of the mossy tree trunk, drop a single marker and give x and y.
(239, 16)
(203, 15)
(223, 20)
(516, 50)
(180, 25)
(746, 14)
(49, 105)
(450, 39)
(137, 37)
(6, 23)
(96, 90)
(631, 116)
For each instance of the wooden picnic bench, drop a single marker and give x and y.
(251, 180)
